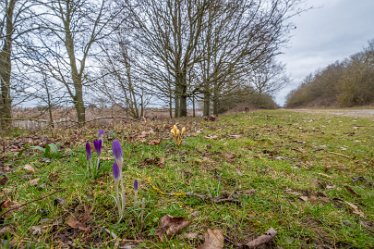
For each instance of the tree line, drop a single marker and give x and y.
(342, 84)
(135, 53)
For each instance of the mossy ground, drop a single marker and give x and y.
(311, 177)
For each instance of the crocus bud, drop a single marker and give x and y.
(101, 134)
(174, 130)
(98, 145)
(88, 151)
(117, 151)
(116, 172)
(136, 185)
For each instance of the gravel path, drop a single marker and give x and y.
(357, 113)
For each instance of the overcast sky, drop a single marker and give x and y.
(333, 30)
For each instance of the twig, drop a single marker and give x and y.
(29, 202)
(215, 199)
(338, 154)
(265, 238)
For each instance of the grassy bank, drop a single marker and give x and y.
(309, 176)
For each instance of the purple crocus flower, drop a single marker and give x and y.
(98, 145)
(101, 134)
(117, 151)
(116, 171)
(136, 185)
(88, 151)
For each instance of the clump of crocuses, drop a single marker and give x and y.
(98, 145)
(120, 197)
(88, 155)
(101, 134)
(177, 134)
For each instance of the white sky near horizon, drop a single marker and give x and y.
(333, 30)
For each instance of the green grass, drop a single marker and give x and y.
(326, 160)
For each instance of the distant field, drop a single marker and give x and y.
(310, 176)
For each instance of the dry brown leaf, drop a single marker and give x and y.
(158, 161)
(235, 136)
(211, 137)
(5, 230)
(6, 169)
(239, 172)
(249, 192)
(53, 177)
(265, 238)
(72, 222)
(350, 190)
(154, 142)
(3, 180)
(6, 204)
(229, 156)
(213, 239)
(355, 209)
(292, 192)
(368, 225)
(304, 198)
(191, 236)
(34, 182)
(29, 168)
(9, 204)
(330, 186)
(144, 134)
(170, 225)
(36, 230)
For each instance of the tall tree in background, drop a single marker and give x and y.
(120, 83)
(71, 29)
(15, 21)
(193, 47)
(241, 37)
(167, 34)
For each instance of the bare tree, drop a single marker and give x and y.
(240, 38)
(167, 34)
(191, 48)
(121, 84)
(14, 17)
(71, 29)
(269, 78)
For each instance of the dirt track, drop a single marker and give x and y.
(357, 113)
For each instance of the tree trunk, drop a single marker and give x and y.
(79, 105)
(75, 75)
(51, 123)
(6, 102)
(171, 106)
(215, 101)
(183, 102)
(177, 101)
(206, 111)
(6, 69)
(142, 105)
(49, 101)
(193, 106)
